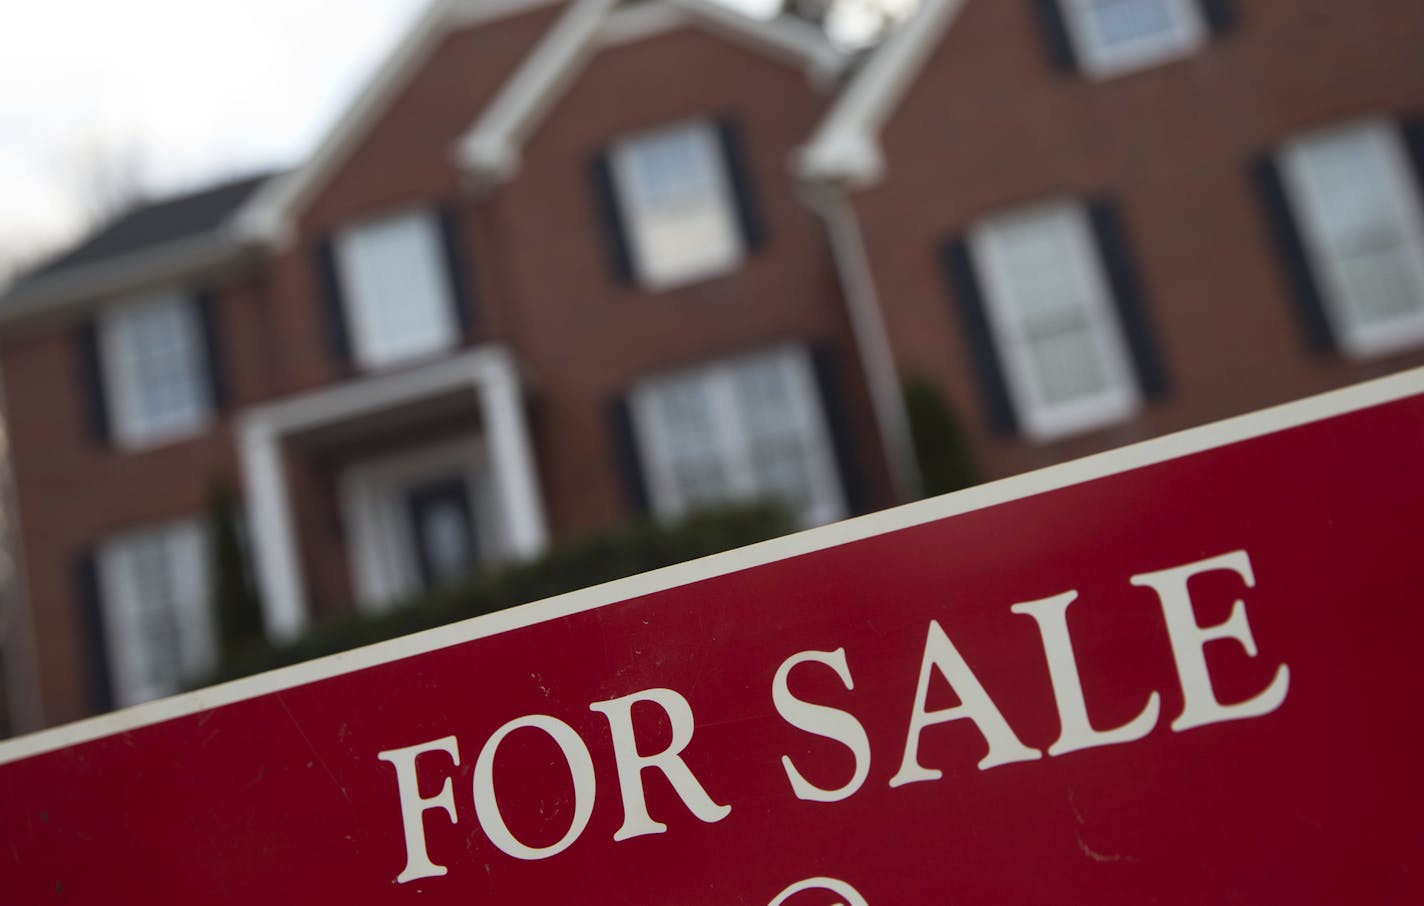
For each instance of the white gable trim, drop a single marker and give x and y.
(845, 149)
(490, 150)
(268, 215)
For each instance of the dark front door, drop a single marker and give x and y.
(443, 530)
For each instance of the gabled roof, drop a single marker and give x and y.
(845, 149)
(269, 217)
(491, 148)
(192, 230)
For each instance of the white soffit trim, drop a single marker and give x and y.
(845, 148)
(339, 402)
(268, 216)
(490, 149)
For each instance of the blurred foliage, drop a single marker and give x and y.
(638, 547)
(233, 593)
(941, 449)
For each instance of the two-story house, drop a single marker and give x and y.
(560, 263)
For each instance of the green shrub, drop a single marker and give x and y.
(941, 448)
(234, 597)
(636, 548)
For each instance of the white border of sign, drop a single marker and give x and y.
(1112, 462)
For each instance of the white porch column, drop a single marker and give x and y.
(273, 541)
(511, 455)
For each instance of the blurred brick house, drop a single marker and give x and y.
(560, 263)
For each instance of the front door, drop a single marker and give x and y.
(443, 530)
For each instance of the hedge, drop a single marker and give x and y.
(636, 548)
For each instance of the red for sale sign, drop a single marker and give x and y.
(1181, 672)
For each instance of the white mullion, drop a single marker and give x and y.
(828, 499)
(654, 451)
(732, 442)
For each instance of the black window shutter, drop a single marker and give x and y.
(91, 382)
(1054, 29)
(613, 226)
(1413, 131)
(457, 267)
(1221, 16)
(1291, 247)
(969, 304)
(830, 379)
(739, 175)
(332, 304)
(626, 457)
(94, 642)
(205, 304)
(1132, 307)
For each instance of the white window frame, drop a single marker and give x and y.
(1101, 60)
(641, 224)
(1357, 338)
(381, 550)
(185, 548)
(827, 500)
(364, 294)
(123, 385)
(1043, 420)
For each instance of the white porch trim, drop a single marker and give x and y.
(490, 372)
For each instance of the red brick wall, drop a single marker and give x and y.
(991, 125)
(589, 336)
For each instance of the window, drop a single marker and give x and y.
(157, 619)
(396, 285)
(155, 369)
(1052, 320)
(673, 189)
(1358, 212)
(1110, 37)
(738, 430)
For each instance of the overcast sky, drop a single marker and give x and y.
(189, 90)
(192, 90)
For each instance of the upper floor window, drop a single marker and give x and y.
(1358, 212)
(397, 288)
(1110, 37)
(1053, 320)
(681, 218)
(157, 620)
(678, 202)
(738, 429)
(155, 369)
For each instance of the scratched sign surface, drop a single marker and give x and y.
(1183, 672)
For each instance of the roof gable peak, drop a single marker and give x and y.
(491, 148)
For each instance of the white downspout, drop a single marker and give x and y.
(871, 337)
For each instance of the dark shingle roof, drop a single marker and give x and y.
(151, 225)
